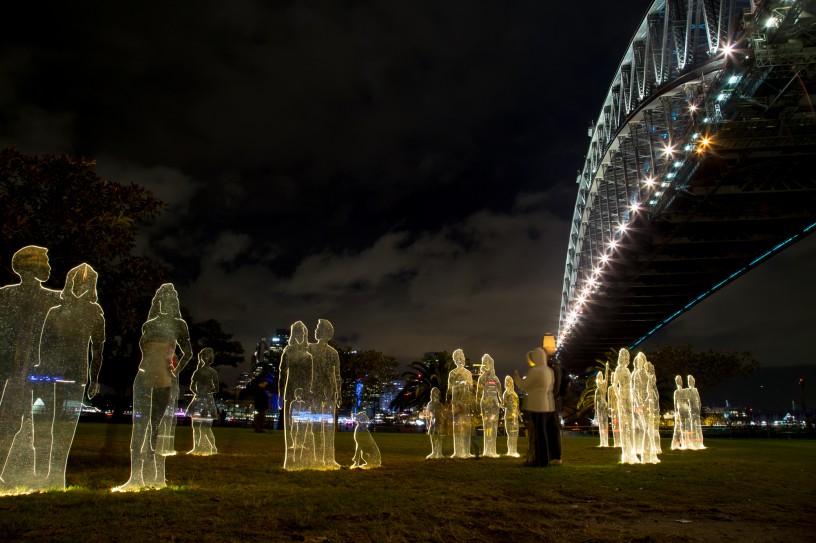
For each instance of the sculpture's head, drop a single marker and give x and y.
(599, 378)
(31, 262)
(206, 356)
(487, 363)
(435, 394)
(508, 383)
(362, 418)
(298, 393)
(459, 357)
(678, 381)
(623, 358)
(165, 302)
(640, 360)
(537, 357)
(690, 380)
(298, 333)
(80, 283)
(324, 330)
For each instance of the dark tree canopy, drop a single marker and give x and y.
(431, 371)
(709, 368)
(59, 202)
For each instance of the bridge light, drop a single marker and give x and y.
(693, 108)
(705, 142)
(649, 181)
(604, 259)
(668, 151)
(621, 227)
(635, 207)
(728, 49)
(771, 22)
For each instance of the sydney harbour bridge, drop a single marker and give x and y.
(700, 166)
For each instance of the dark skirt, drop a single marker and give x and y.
(543, 438)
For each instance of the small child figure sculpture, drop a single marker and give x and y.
(434, 415)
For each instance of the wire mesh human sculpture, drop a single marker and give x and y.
(488, 394)
(294, 390)
(623, 384)
(681, 416)
(641, 417)
(655, 406)
(366, 452)
(460, 391)
(695, 429)
(325, 390)
(434, 415)
(512, 416)
(71, 345)
(650, 446)
(163, 335)
(601, 412)
(612, 407)
(23, 308)
(202, 409)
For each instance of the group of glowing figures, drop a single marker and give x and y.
(628, 400)
(309, 388)
(51, 346)
(488, 401)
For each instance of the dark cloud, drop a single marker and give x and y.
(406, 169)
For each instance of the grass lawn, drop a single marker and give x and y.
(741, 490)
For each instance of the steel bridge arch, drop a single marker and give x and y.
(684, 81)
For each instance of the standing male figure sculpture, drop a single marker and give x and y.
(326, 393)
(681, 416)
(434, 415)
(23, 307)
(640, 416)
(695, 441)
(460, 392)
(623, 383)
(512, 416)
(601, 414)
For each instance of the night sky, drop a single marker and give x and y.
(404, 169)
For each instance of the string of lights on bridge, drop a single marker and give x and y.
(674, 157)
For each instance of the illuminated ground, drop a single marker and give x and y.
(743, 490)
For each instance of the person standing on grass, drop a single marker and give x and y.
(539, 411)
(260, 398)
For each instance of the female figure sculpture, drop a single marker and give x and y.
(164, 333)
(488, 392)
(202, 410)
(71, 344)
(512, 416)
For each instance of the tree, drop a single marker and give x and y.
(432, 371)
(368, 368)
(59, 202)
(709, 368)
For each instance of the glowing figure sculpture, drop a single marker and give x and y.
(325, 393)
(512, 416)
(488, 393)
(71, 344)
(623, 383)
(640, 416)
(460, 390)
(202, 410)
(695, 428)
(655, 414)
(681, 416)
(601, 413)
(650, 451)
(294, 384)
(612, 406)
(23, 308)
(366, 452)
(164, 333)
(434, 415)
